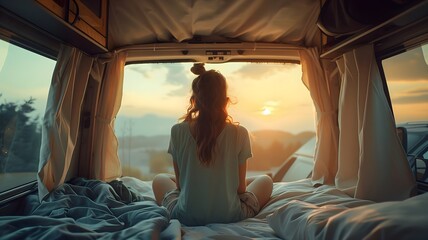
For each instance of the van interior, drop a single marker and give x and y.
(333, 93)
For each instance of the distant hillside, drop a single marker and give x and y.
(265, 138)
(157, 142)
(272, 147)
(303, 137)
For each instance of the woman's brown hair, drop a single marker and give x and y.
(207, 110)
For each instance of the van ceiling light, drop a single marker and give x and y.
(218, 52)
(216, 58)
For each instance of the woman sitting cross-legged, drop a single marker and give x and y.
(210, 155)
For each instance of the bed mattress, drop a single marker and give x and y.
(125, 209)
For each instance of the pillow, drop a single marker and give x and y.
(406, 219)
(388, 220)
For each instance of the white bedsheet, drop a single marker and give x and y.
(338, 219)
(257, 227)
(299, 211)
(253, 228)
(126, 209)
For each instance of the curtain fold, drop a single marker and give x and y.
(321, 78)
(372, 163)
(105, 163)
(357, 147)
(349, 152)
(62, 117)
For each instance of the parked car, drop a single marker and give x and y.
(299, 165)
(414, 137)
(415, 142)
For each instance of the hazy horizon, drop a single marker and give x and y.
(153, 125)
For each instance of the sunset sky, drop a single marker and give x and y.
(407, 79)
(265, 96)
(24, 74)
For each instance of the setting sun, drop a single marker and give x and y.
(266, 111)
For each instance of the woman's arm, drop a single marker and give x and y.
(177, 175)
(242, 181)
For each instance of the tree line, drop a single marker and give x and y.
(20, 137)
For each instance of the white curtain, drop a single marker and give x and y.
(321, 78)
(349, 152)
(62, 117)
(371, 164)
(105, 163)
(365, 158)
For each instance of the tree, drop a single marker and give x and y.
(20, 137)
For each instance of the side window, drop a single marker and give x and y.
(24, 84)
(407, 79)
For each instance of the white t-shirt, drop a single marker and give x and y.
(209, 193)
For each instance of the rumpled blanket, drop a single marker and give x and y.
(326, 213)
(87, 209)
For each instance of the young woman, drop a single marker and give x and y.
(209, 154)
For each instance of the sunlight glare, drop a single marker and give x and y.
(266, 111)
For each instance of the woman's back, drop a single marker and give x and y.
(209, 193)
(209, 154)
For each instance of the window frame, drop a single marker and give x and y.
(397, 44)
(16, 31)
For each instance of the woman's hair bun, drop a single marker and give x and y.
(198, 68)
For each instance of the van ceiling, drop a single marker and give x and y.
(134, 22)
(167, 30)
(193, 29)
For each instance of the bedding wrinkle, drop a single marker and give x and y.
(87, 209)
(296, 210)
(330, 214)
